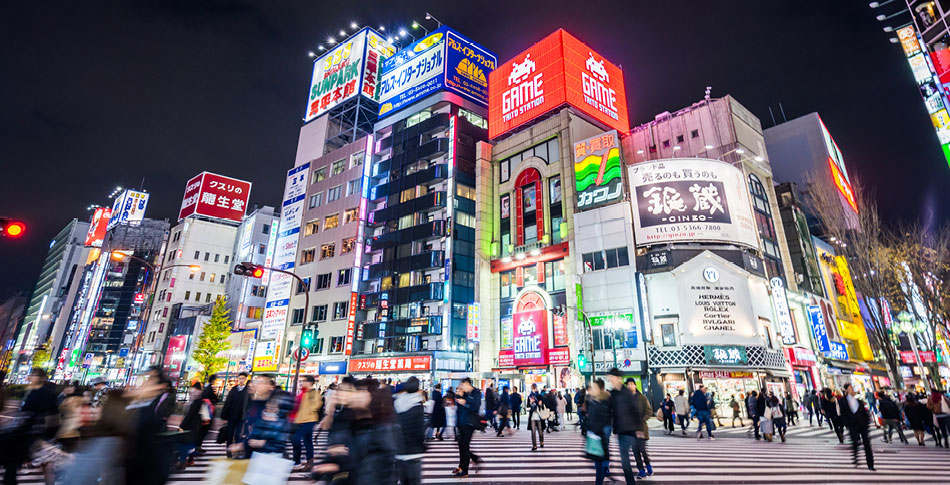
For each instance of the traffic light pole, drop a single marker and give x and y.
(306, 294)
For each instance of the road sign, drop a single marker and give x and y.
(306, 353)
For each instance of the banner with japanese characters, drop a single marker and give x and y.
(691, 200)
(212, 195)
(597, 170)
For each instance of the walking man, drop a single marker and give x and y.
(682, 410)
(235, 411)
(891, 414)
(856, 418)
(626, 421)
(643, 413)
(701, 403)
(751, 407)
(467, 402)
(516, 408)
(305, 416)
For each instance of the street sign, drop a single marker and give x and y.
(306, 353)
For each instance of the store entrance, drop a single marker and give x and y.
(736, 384)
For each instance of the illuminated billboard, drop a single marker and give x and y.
(352, 67)
(690, 200)
(97, 227)
(839, 173)
(129, 206)
(442, 60)
(925, 70)
(557, 70)
(597, 170)
(212, 195)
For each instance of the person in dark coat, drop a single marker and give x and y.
(191, 426)
(149, 458)
(211, 398)
(234, 412)
(491, 405)
(516, 408)
(915, 417)
(410, 446)
(891, 414)
(599, 418)
(503, 412)
(437, 420)
(829, 408)
(549, 398)
(668, 409)
(856, 417)
(15, 443)
(626, 421)
(467, 402)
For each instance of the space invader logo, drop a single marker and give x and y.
(597, 68)
(527, 326)
(520, 71)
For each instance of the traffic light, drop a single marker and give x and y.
(306, 338)
(581, 360)
(12, 228)
(250, 270)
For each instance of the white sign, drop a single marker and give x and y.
(690, 200)
(782, 315)
(278, 292)
(129, 206)
(718, 312)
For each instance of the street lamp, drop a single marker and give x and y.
(911, 328)
(120, 256)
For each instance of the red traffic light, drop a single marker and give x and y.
(258, 272)
(249, 269)
(12, 228)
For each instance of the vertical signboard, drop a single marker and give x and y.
(782, 314)
(129, 206)
(597, 170)
(819, 331)
(472, 322)
(285, 254)
(97, 227)
(531, 337)
(928, 83)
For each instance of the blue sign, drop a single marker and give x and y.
(443, 60)
(818, 329)
(123, 352)
(330, 368)
(837, 351)
(503, 383)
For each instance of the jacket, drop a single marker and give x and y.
(437, 420)
(699, 401)
(274, 427)
(192, 420)
(760, 405)
(235, 405)
(599, 417)
(828, 408)
(411, 417)
(308, 407)
(491, 401)
(750, 405)
(467, 414)
(853, 419)
(516, 402)
(626, 420)
(644, 411)
(682, 407)
(888, 407)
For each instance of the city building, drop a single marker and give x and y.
(63, 260)
(11, 316)
(246, 296)
(712, 249)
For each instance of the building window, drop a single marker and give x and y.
(347, 245)
(187, 295)
(694, 134)
(668, 335)
(336, 345)
(254, 312)
(319, 175)
(679, 138)
(298, 316)
(327, 250)
(319, 313)
(316, 200)
(557, 215)
(317, 347)
(207, 256)
(311, 227)
(352, 187)
(666, 143)
(216, 257)
(463, 219)
(548, 151)
(202, 278)
(198, 296)
(473, 118)
(323, 280)
(165, 311)
(331, 221)
(418, 118)
(212, 278)
(343, 277)
(338, 167)
(334, 193)
(463, 190)
(302, 286)
(340, 309)
(307, 255)
(350, 215)
(261, 249)
(764, 223)
(226, 258)
(197, 254)
(356, 159)
(191, 275)
(609, 258)
(265, 228)
(208, 298)
(768, 336)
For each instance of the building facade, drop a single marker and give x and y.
(246, 296)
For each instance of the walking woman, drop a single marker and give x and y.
(714, 408)
(735, 411)
(940, 407)
(829, 405)
(535, 406)
(915, 417)
(598, 424)
(766, 423)
(779, 416)
(437, 420)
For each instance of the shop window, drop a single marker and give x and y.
(667, 332)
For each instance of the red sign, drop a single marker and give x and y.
(560, 331)
(506, 358)
(800, 357)
(214, 195)
(139, 298)
(557, 70)
(350, 324)
(843, 185)
(175, 355)
(926, 356)
(559, 356)
(97, 226)
(392, 364)
(530, 331)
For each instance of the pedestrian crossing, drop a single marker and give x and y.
(801, 430)
(731, 458)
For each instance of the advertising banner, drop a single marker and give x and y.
(218, 196)
(716, 304)
(557, 70)
(347, 70)
(350, 324)
(444, 59)
(129, 206)
(395, 364)
(265, 356)
(285, 255)
(782, 314)
(819, 331)
(332, 368)
(175, 355)
(691, 200)
(837, 351)
(725, 355)
(97, 227)
(597, 170)
(531, 337)
(472, 322)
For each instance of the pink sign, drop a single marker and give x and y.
(559, 356)
(506, 358)
(530, 337)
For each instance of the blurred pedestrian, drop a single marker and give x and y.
(149, 457)
(101, 456)
(569, 407)
(856, 417)
(504, 413)
(701, 404)
(491, 404)
(580, 402)
(550, 403)
(940, 407)
(31, 424)
(189, 428)
(411, 445)
(668, 407)
(468, 402)
(779, 416)
(751, 404)
(305, 416)
(830, 408)
(99, 390)
(736, 411)
(914, 412)
(626, 422)
(234, 412)
(891, 414)
(561, 409)
(516, 403)
(210, 399)
(272, 430)
(682, 410)
(438, 422)
(70, 411)
(599, 420)
(534, 408)
(643, 413)
(791, 409)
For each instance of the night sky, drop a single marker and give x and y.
(106, 93)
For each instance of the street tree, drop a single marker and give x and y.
(213, 341)
(42, 354)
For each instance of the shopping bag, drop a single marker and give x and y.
(226, 472)
(267, 469)
(594, 447)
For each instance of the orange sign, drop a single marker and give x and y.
(350, 324)
(557, 70)
(392, 364)
(843, 185)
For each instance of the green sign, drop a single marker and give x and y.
(626, 320)
(597, 170)
(722, 355)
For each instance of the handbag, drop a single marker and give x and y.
(659, 414)
(267, 469)
(594, 447)
(544, 413)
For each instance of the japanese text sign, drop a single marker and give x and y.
(728, 355)
(393, 364)
(558, 70)
(217, 196)
(129, 206)
(97, 227)
(597, 170)
(819, 331)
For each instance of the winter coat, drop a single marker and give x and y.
(561, 405)
(829, 408)
(308, 407)
(437, 420)
(626, 420)
(915, 415)
(468, 412)
(411, 417)
(516, 402)
(598, 418)
(491, 400)
(681, 405)
(570, 403)
(888, 407)
(274, 425)
(699, 401)
(644, 411)
(853, 419)
(235, 405)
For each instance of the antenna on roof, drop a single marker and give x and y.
(708, 91)
(772, 115)
(783, 111)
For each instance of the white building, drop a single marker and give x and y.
(246, 295)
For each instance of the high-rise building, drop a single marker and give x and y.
(246, 296)
(11, 316)
(63, 261)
